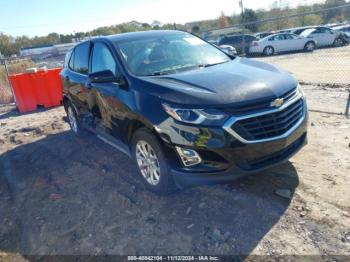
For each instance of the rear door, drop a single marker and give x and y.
(76, 77)
(329, 35)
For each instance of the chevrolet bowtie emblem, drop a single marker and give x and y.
(277, 102)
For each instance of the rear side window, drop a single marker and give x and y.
(67, 58)
(81, 58)
(102, 59)
(71, 61)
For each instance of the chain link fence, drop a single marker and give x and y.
(328, 64)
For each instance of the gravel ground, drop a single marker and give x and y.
(62, 194)
(327, 65)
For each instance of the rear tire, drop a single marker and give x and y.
(309, 46)
(269, 51)
(151, 162)
(338, 42)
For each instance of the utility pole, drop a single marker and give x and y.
(242, 21)
(242, 10)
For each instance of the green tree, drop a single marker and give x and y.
(224, 21)
(250, 16)
(331, 14)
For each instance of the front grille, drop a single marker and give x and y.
(270, 125)
(244, 108)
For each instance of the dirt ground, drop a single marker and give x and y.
(62, 194)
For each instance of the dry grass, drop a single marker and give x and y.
(14, 67)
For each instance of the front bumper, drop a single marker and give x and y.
(183, 178)
(224, 156)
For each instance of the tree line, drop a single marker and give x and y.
(11, 45)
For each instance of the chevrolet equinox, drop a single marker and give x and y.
(184, 110)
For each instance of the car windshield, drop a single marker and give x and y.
(169, 54)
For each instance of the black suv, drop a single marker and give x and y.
(239, 42)
(185, 111)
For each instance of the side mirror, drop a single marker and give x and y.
(106, 76)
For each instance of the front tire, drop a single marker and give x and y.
(151, 162)
(269, 51)
(309, 46)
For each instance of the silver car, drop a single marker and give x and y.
(324, 36)
(343, 28)
(283, 42)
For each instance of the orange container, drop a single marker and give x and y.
(42, 88)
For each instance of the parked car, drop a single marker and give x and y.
(345, 29)
(284, 42)
(325, 36)
(185, 111)
(228, 49)
(239, 42)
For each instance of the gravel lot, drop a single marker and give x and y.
(60, 194)
(327, 65)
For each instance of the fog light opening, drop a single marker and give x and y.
(188, 157)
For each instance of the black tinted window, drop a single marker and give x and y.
(81, 58)
(102, 59)
(237, 39)
(249, 38)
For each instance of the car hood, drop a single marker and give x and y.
(241, 80)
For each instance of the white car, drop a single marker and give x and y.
(228, 49)
(344, 28)
(283, 42)
(324, 36)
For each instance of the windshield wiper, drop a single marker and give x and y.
(209, 65)
(158, 73)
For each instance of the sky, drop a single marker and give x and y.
(41, 17)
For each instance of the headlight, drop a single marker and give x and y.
(195, 116)
(300, 91)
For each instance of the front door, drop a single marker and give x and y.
(106, 103)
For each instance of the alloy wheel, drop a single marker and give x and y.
(269, 51)
(338, 42)
(310, 47)
(148, 162)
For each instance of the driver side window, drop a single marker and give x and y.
(102, 59)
